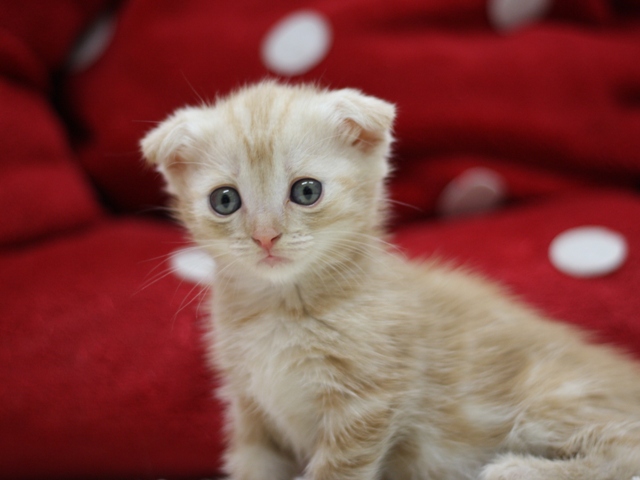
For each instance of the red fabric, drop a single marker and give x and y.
(101, 371)
(48, 29)
(42, 190)
(418, 185)
(560, 95)
(512, 247)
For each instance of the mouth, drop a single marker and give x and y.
(273, 260)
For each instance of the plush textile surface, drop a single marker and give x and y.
(560, 96)
(512, 248)
(102, 370)
(101, 355)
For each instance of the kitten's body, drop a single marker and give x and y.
(340, 359)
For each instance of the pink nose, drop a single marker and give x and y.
(266, 238)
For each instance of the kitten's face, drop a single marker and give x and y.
(275, 180)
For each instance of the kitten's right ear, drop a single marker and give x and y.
(164, 147)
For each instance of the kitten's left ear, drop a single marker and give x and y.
(365, 121)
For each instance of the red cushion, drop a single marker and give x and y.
(418, 187)
(41, 190)
(511, 247)
(48, 29)
(101, 360)
(559, 94)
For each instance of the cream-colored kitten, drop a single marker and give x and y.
(340, 359)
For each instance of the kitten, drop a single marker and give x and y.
(342, 360)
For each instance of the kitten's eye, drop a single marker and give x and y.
(306, 191)
(225, 200)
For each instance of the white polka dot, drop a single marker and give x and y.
(475, 191)
(297, 43)
(506, 15)
(589, 251)
(193, 264)
(93, 43)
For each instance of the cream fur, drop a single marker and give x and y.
(348, 362)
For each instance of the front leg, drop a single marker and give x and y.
(353, 440)
(253, 453)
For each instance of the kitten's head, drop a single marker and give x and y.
(275, 180)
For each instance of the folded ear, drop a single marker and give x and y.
(365, 121)
(165, 146)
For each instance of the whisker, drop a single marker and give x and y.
(170, 269)
(203, 289)
(408, 205)
(379, 240)
(203, 103)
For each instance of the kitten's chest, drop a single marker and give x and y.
(278, 361)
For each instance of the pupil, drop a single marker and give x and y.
(307, 192)
(225, 200)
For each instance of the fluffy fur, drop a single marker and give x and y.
(342, 360)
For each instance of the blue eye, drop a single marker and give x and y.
(306, 191)
(225, 200)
